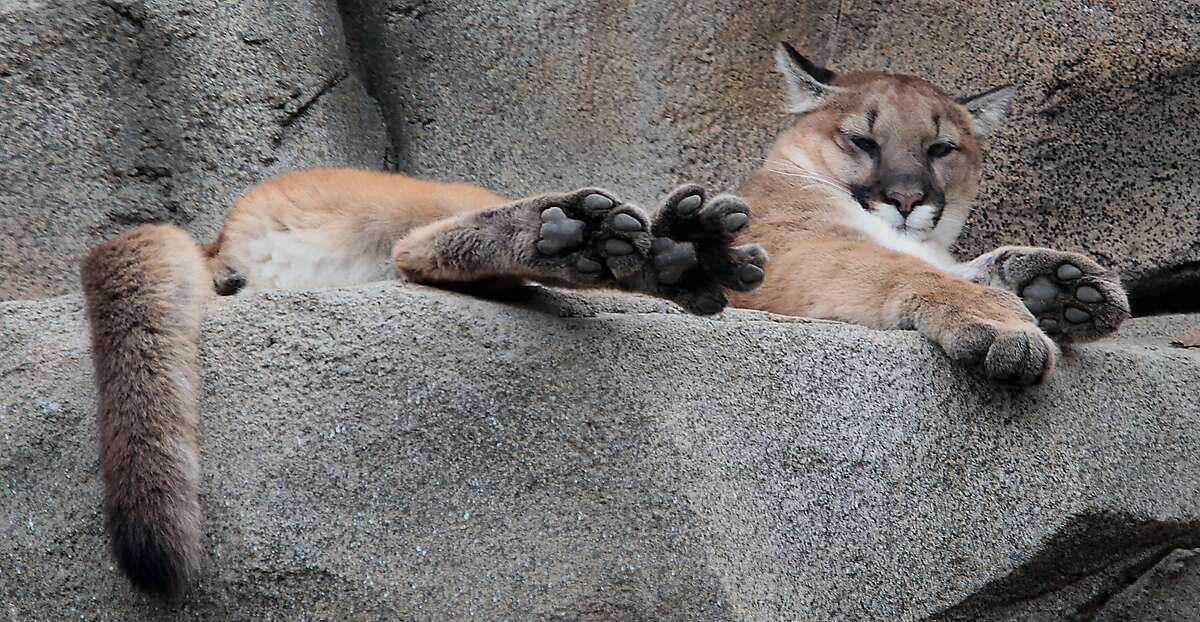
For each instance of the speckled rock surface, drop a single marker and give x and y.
(165, 111)
(398, 452)
(120, 112)
(1169, 592)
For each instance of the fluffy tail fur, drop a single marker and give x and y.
(145, 293)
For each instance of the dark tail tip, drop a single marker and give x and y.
(149, 560)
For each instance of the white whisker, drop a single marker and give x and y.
(815, 183)
(790, 168)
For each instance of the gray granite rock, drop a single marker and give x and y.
(120, 112)
(403, 453)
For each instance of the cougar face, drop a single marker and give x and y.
(906, 152)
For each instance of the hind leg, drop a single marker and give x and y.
(1073, 297)
(589, 238)
(585, 238)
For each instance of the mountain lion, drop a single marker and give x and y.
(859, 202)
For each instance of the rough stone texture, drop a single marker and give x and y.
(1170, 592)
(401, 452)
(166, 110)
(120, 112)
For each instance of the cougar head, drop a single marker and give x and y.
(903, 149)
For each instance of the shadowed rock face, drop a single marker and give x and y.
(124, 112)
(1167, 593)
(401, 452)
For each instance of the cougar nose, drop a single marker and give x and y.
(905, 201)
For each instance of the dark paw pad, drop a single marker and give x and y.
(596, 204)
(1088, 294)
(1040, 295)
(688, 204)
(694, 259)
(672, 259)
(702, 302)
(627, 223)
(748, 268)
(750, 274)
(1069, 272)
(688, 214)
(558, 232)
(587, 265)
(618, 248)
(1076, 316)
(710, 304)
(1072, 297)
(587, 237)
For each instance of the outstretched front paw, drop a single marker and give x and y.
(989, 328)
(588, 237)
(693, 258)
(1072, 296)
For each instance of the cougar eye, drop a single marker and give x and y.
(940, 150)
(868, 146)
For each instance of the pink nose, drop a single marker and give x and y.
(905, 202)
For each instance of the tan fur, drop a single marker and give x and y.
(144, 293)
(828, 268)
(359, 213)
(356, 205)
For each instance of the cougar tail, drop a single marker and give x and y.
(145, 293)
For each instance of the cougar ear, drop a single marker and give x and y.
(989, 108)
(807, 82)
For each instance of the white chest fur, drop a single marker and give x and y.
(300, 259)
(886, 235)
